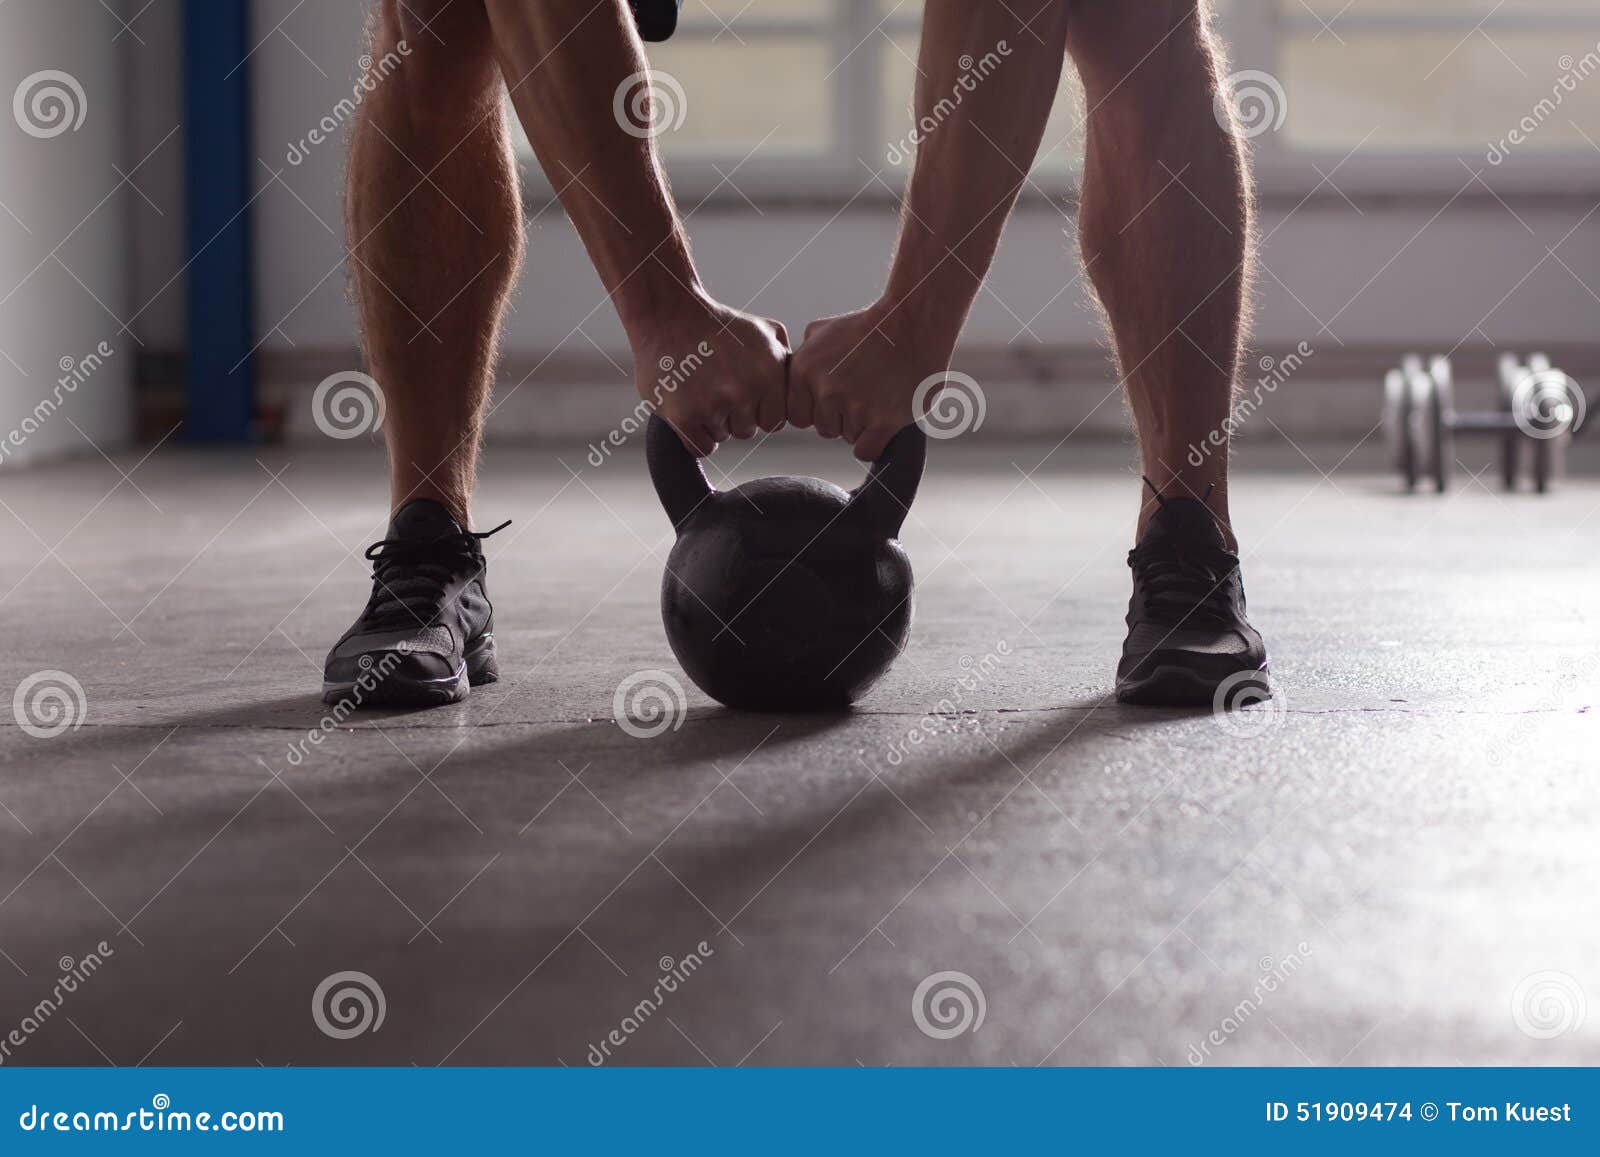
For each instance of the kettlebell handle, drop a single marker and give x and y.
(883, 499)
(679, 478)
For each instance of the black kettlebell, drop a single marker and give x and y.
(786, 594)
(656, 19)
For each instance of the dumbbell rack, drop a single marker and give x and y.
(1421, 422)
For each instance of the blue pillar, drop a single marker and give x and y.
(221, 377)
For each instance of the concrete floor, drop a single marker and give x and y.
(1408, 842)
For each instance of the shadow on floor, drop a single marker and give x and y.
(873, 810)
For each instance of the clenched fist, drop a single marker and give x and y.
(713, 372)
(855, 376)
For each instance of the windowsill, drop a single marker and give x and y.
(1281, 181)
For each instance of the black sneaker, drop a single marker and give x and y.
(427, 633)
(1188, 639)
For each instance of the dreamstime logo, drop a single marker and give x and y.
(948, 1004)
(674, 372)
(973, 73)
(371, 677)
(974, 674)
(1273, 975)
(347, 405)
(1250, 104)
(1574, 71)
(649, 703)
(74, 373)
(49, 103)
(674, 974)
(1573, 675)
(373, 73)
(1549, 1004)
(959, 405)
(49, 702)
(648, 103)
(348, 1004)
(1274, 373)
(1548, 403)
(156, 1119)
(72, 976)
(1247, 689)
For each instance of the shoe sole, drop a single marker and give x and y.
(1172, 686)
(481, 665)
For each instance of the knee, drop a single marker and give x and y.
(1117, 45)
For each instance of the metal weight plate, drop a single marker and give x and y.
(1511, 441)
(1395, 433)
(1419, 395)
(1554, 417)
(1441, 416)
(1406, 433)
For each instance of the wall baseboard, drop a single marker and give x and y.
(1034, 391)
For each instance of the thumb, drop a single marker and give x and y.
(812, 329)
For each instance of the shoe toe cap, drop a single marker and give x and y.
(419, 656)
(1208, 656)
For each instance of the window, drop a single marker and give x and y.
(809, 94)
(810, 97)
(1401, 93)
(806, 98)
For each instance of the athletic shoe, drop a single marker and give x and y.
(1188, 638)
(427, 633)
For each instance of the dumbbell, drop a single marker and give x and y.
(1540, 409)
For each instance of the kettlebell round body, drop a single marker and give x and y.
(786, 593)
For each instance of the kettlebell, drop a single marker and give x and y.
(656, 19)
(786, 593)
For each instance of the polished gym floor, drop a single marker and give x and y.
(1395, 863)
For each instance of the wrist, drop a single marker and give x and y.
(662, 308)
(924, 323)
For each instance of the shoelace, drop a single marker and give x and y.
(409, 576)
(1185, 585)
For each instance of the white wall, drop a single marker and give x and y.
(1384, 275)
(1439, 274)
(157, 139)
(64, 235)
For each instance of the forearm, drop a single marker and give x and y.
(564, 62)
(988, 75)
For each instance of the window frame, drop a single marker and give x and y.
(1255, 32)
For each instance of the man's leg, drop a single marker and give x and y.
(1165, 224)
(1165, 230)
(435, 236)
